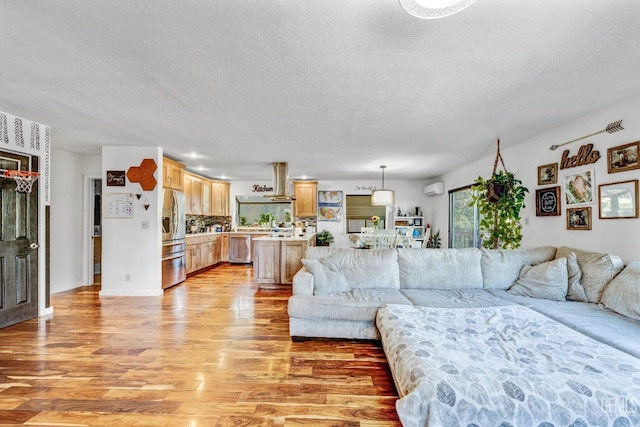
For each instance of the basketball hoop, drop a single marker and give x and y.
(24, 179)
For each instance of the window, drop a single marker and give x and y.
(360, 211)
(464, 221)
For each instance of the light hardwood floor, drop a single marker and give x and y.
(213, 351)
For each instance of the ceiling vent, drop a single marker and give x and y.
(281, 182)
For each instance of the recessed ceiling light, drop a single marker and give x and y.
(193, 155)
(201, 168)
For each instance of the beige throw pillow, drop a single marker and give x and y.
(547, 280)
(576, 291)
(622, 295)
(597, 270)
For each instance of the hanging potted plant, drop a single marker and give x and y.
(500, 199)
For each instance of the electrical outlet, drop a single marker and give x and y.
(145, 225)
(127, 277)
(526, 220)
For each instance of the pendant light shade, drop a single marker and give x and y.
(383, 197)
(434, 9)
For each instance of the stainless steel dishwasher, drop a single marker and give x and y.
(239, 248)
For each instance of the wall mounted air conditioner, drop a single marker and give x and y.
(433, 189)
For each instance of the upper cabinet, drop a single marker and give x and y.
(193, 194)
(306, 203)
(203, 196)
(220, 198)
(172, 174)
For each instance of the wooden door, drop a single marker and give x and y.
(18, 247)
(266, 261)
(206, 197)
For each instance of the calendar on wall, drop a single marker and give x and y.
(117, 205)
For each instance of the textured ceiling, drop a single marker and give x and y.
(333, 87)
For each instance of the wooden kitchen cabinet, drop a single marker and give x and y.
(172, 174)
(192, 194)
(291, 254)
(206, 197)
(277, 260)
(266, 262)
(224, 248)
(306, 202)
(203, 251)
(220, 198)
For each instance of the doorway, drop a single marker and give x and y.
(97, 231)
(18, 243)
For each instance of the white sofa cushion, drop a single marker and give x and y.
(363, 268)
(597, 270)
(547, 280)
(501, 267)
(622, 294)
(440, 268)
(356, 305)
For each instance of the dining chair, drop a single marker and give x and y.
(384, 239)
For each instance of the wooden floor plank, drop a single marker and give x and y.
(212, 351)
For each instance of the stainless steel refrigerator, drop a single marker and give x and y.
(174, 259)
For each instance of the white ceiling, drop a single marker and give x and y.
(333, 87)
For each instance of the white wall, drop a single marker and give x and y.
(409, 194)
(619, 236)
(67, 211)
(131, 253)
(66, 220)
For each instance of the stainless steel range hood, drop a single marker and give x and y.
(280, 182)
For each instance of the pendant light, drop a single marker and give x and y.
(383, 197)
(434, 9)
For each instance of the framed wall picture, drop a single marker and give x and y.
(116, 179)
(548, 174)
(579, 218)
(623, 157)
(548, 201)
(333, 198)
(330, 213)
(618, 200)
(579, 188)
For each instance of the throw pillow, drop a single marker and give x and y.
(327, 277)
(597, 270)
(622, 295)
(547, 280)
(576, 291)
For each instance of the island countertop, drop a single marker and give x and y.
(305, 237)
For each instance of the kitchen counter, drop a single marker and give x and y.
(305, 237)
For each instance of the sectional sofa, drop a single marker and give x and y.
(534, 336)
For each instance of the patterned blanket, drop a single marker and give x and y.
(504, 366)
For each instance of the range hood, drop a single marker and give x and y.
(280, 182)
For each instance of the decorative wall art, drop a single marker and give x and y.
(143, 174)
(329, 213)
(117, 205)
(618, 200)
(579, 218)
(548, 174)
(578, 187)
(330, 206)
(548, 201)
(333, 198)
(623, 157)
(116, 179)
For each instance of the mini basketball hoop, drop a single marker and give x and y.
(24, 179)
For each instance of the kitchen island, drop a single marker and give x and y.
(277, 259)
